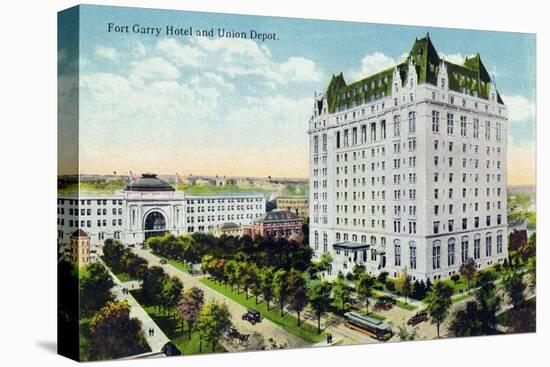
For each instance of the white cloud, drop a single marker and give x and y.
(238, 58)
(181, 55)
(520, 109)
(373, 63)
(139, 49)
(107, 53)
(457, 59)
(154, 68)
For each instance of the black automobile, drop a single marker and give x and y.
(252, 316)
(418, 318)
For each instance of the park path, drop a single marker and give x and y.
(267, 328)
(158, 339)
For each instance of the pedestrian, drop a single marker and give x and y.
(152, 332)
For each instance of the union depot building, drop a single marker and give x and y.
(150, 207)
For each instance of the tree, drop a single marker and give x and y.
(438, 301)
(95, 288)
(342, 291)
(171, 292)
(153, 283)
(467, 322)
(297, 297)
(190, 305)
(455, 277)
(266, 284)
(231, 274)
(406, 335)
(488, 300)
(514, 287)
(319, 299)
(403, 285)
(280, 287)
(419, 290)
(468, 270)
(254, 281)
(214, 320)
(363, 288)
(240, 275)
(112, 253)
(113, 334)
(325, 261)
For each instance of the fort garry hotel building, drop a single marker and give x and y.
(408, 168)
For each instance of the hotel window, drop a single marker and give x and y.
(450, 123)
(499, 243)
(435, 121)
(476, 129)
(383, 129)
(316, 236)
(450, 225)
(338, 139)
(412, 254)
(324, 142)
(397, 246)
(436, 255)
(464, 223)
(463, 125)
(436, 227)
(477, 247)
(412, 122)
(487, 130)
(451, 252)
(464, 249)
(488, 245)
(396, 125)
(354, 136)
(363, 133)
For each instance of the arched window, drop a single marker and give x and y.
(397, 252)
(477, 246)
(436, 254)
(499, 242)
(451, 252)
(464, 248)
(412, 254)
(488, 245)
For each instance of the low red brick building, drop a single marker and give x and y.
(277, 224)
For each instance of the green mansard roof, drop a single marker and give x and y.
(470, 78)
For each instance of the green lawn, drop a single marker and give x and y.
(460, 286)
(289, 322)
(125, 277)
(209, 189)
(104, 187)
(177, 264)
(398, 303)
(172, 327)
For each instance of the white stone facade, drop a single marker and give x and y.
(123, 215)
(408, 174)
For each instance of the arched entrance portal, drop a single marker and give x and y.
(155, 225)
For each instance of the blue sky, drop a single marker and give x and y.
(240, 107)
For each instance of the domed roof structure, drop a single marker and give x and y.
(278, 215)
(149, 182)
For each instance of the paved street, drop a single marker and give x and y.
(267, 328)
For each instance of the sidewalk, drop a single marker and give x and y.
(159, 339)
